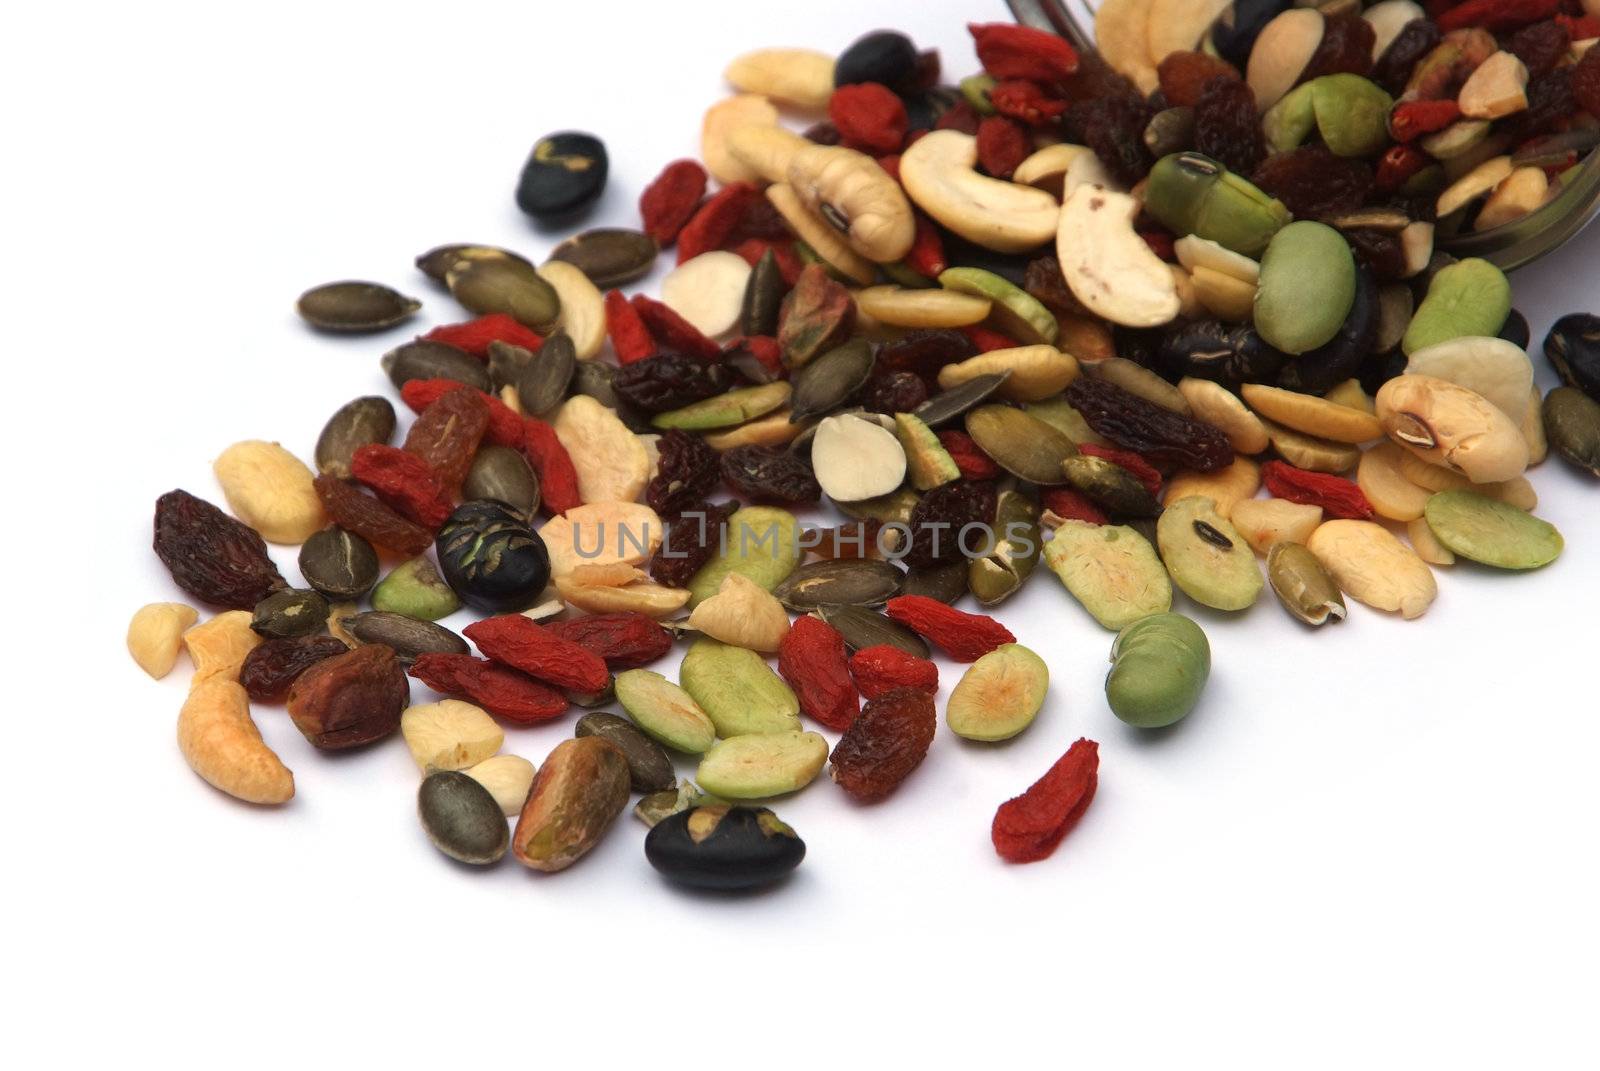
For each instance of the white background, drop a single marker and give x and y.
(1371, 845)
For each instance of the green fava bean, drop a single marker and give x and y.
(1492, 532)
(1194, 194)
(1308, 283)
(1468, 298)
(1159, 666)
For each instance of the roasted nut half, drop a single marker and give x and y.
(940, 174)
(1108, 267)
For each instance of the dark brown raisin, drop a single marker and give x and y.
(1227, 126)
(768, 474)
(212, 556)
(892, 392)
(358, 512)
(1312, 182)
(1045, 282)
(1550, 100)
(668, 381)
(886, 742)
(1346, 47)
(446, 435)
(1540, 46)
(1096, 78)
(1380, 252)
(1185, 75)
(688, 471)
(272, 666)
(823, 133)
(948, 522)
(1393, 69)
(692, 539)
(1160, 434)
(924, 352)
(1585, 82)
(1114, 128)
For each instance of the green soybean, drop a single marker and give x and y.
(1159, 666)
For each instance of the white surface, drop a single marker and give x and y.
(1371, 846)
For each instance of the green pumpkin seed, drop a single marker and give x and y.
(862, 628)
(594, 379)
(355, 307)
(462, 818)
(738, 690)
(1572, 424)
(658, 806)
(946, 582)
(665, 711)
(1206, 556)
(948, 405)
(892, 508)
(1059, 414)
(437, 263)
(1303, 585)
(339, 564)
(761, 542)
(1027, 448)
(826, 382)
(288, 613)
(649, 769)
(505, 286)
(1492, 532)
(842, 582)
(542, 382)
(1011, 551)
(726, 410)
(408, 636)
(1111, 487)
(423, 359)
(506, 362)
(1111, 569)
(763, 295)
(356, 424)
(609, 256)
(1159, 666)
(761, 765)
(503, 474)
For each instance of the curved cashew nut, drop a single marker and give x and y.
(222, 744)
(857, 197)
(1108, 267)
(939, 173)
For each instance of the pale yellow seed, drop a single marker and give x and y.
(1349, 393)
(1224, 296)
(155, 635)
(1037, 372)
(826, 242)
(583, 307)
(1226, 487)
(1427, 545)
(1533, 429)
(899, 307)
(1311, 453)
(1310, 415)
(1372, 566)
(1265, 521)
(611, 463)
(774, 429)
(271, 490)
(1137, 379)
(1218, 406)
(219, 646)
(724, 117)
(1382, 480)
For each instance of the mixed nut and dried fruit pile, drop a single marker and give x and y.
(1083, 308)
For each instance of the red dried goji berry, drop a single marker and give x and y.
(760, 219)
(927, 249)
(1025, 101)
(630, 338)
(675, 334)
(1580, 27)
(891, 165)
(973, 462)
(474, 336)
(1070, 504)
(1002, 145)
(446, 434)
(1337, 496)
(1028, 827)
(710, 227)
(884, 667)
(524, 644)
(1161, 243)
(789, 262)
(1497, 16)
(1397, 165)
(1411, 119)
(1141, 469)
(964, 637)
(961, 116)
(500, 690)
(1007, 50)
(765, 349)
(812, 659)
(404, 481)
(558, 479)
(624, 639)
(671, 199)
(869, 117)
(987, 340)
(505, 424)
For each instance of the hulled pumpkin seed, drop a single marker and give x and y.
(503, 474)
(1009, 553)
(1303, 585)
(649, 769)
(423, 359)
(738, 690)
(841, 582)
(824, 384)
(609, 256)
(1491, 532)
(1111, 487)
(1206, 556)
(863, 628)
(355, 424)
(408, 636)
(542, 382)
(437, 262)
(354, 307)
(946, 582)
(763, 295)
(505, 286)
(1026, 447)
(339, 564)
(726, 410)
(1572, 424)
(948, 405)
(761, 765)
(288, 613)
(462, 818)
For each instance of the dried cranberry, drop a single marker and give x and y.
(925, 352)
(692, 539)
(1584, 82)
(1552, 98)
(1185, 76)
